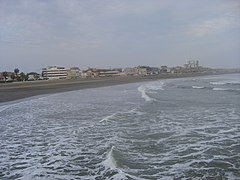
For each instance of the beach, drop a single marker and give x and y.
(20, 90)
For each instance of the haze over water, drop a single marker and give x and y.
(165, 129)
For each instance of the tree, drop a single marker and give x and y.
(16, 71)
(13, 76)
(5, 75)
(23, 77)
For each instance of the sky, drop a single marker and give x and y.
(118, 33)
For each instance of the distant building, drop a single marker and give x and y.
(8, 78)
(192, 64)
(142, 70)
(32, 76)
(108, 73)
(54, 72)
(153, 70)
(91, 72)
(164, 69)
(2, 78)
(74, 73)
(130, 71)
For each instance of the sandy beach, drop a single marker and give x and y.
(20, 90)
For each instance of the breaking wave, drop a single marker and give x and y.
(110, 163)
(150, 88)
(142, 90)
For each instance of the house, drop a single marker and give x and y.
(2, 78)
(130, 71)
(33, 76)
(9, 77)
(142, 70)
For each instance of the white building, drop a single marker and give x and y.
(74, 73)
(54, 72)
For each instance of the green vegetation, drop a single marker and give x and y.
(16, 71)
(5, 75)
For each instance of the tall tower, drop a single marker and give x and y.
(197, 63)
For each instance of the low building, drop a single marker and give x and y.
(108, 73)
(91, 72)
(153, 70)
(142, 70)
(33, 76)
(54, 72)
(10, 76)
(130, 71)
(2, 78)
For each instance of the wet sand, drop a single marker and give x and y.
(19, 90)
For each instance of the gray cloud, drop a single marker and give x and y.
(117, 33)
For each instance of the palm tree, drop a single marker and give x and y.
(16, 71)
(5, 75)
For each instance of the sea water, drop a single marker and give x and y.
(185, 128)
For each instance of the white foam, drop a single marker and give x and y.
(225, 89)
(135, 111)
(107, 118)
(235, 82)
(113, 116)
(197, 87)
(3, 108)
(230, 175)
(155, 87)
(220, 89)
(218, 83)
(142, 90)
(110, 161)
(150, 88)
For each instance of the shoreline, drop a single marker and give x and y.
(16, 91)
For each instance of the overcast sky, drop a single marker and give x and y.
(118, 33)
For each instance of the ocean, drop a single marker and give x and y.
(185, 128)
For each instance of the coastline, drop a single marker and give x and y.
(16, 91)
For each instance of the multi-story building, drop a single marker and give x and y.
(131, 71)
(74, 73)
(192, 64)
(54, 72)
